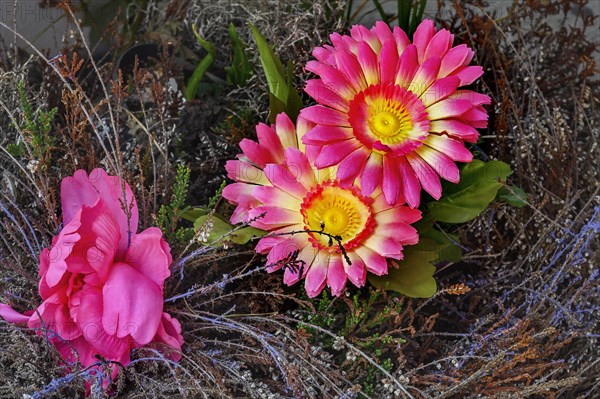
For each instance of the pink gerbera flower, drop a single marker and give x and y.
(329, 230)
(390, 112)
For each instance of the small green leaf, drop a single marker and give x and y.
(282, 94)
(192, 214)
(479, 184)
(222, 228)
(414, 275)
(513, 195)
(240, 69)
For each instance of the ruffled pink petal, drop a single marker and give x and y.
(115, 192)
(325, 95)
(61, 250)
(440, 163)
(372, 174)
(428, 177)
(104, 340)
(169, 334)
(455, 149)
(150, 255)
(332, 154)
(12, 316)
(316, 277)
(373, 262)
(131, 308)
(410, 183)
(391, 184)
(336, 275)
(76, 350)
(423, 36)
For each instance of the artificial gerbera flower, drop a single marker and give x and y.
(390, 112)
(321, 229)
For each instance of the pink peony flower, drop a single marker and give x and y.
(390, 111)
(311, 216)
(101, 282)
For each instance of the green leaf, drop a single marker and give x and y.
(414, 275)
(283, 97)
(479, 184)
(513, 195)
(240, 69)
(221, 228)
(192, 214)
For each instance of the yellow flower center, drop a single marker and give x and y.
(389, 121)
(332, 212)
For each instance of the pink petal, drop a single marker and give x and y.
(280, 176)
(325, 95)
(455, 128)
(169, 333)
(448, 108)
(61, 250)
(398, 214)
(321, 134)
(257, 153)
(455, 58)
(409, 64)
(350, 67)
(443, 165)
(402, 232)
(274, 196)
(357, 273)
(468, 74)
(410, 183)
(425, 76)
(429, 179)
(316, 277)
(373, 262)
(440, 90)
(283, 250)
(369, 63)
(402, 40)
(103, 340)
(423, 36)
(383, 31)
(150, 255)
(270, 141)
(336, 80)
(455, 149)
(131, 309)
(242, 171)
(306, 255)
(389, 61)
(299, 165)
(76, 191)
(384, 246)
(391, 185)
(12, 316)
(284, 127)
(474, 97)
(336, 275)
(439, 44)
(274, 217)
(332, 154)
(360, 33)
(322, 115)
(352, 165)
(372, 174)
